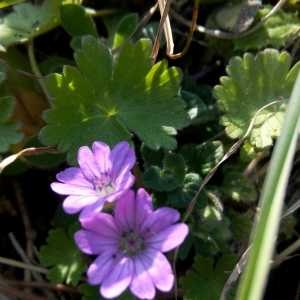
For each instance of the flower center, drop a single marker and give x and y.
(131, 243)
(103, 185)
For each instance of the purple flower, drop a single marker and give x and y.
(129, 246)
(103, 175)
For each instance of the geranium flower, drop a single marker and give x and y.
(129, 246)
(102, 176)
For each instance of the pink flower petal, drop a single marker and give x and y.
(132, 209)
(142, 285)
(169, 238)
(101, 223)
(144, 207)
(125, 182)
(69, 189)
(100, 267)
(123, 159)
(125, 211)
(73, 176)
(159, 220)
(92, 243)
(96, 208)
(118, 279)
(74, 203)
(88, 164)
(101, 154)
(159, 270)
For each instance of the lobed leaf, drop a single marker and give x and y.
(108, 99)
(254, 82)
(203, 157)
(67, 265)
(238, 187)
(206, 279)
(27, 21)
(167, 178)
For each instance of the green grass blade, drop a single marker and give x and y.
(265, 231)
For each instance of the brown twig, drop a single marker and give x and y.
(21, 252)
(25, 152)
(26, 222)
(12, 292)
(44, 285)
(19, 264)
(190, 35)
(145, 19)
(164, 15)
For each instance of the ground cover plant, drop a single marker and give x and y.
(148, 149)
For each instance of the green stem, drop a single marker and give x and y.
(36, 70)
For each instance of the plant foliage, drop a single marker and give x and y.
(60, 254)
(253, 82)
(109, 99)
(27, 21)
(9, 133)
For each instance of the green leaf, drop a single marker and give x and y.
(182, 196)
(151, 157)
(89, 292)
(240, 226)
(107, 99)
(65, 265)
(125, 28)
(43, 161)
(206, 279)
(202, 158)
(237, 187)
(76, 21)
(6, 3)
(199, 112)
(27, 21)
(275, 32)
(212, 228)
(9, 133)
(167, 178)
(251, 84)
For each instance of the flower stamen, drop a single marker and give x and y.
(131, 243)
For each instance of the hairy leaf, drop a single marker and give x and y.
(211, 227)
(27, 21)
(240, 226)
(254, 82)
(62, 257)
(109, 99)
(183, 195)
(206, 279)
(237, 187)
(202, 158)
(167, 178)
